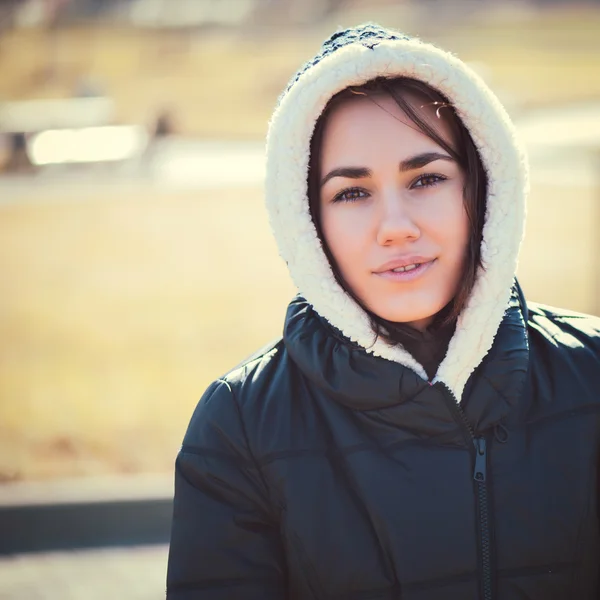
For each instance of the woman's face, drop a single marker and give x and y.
(392, 210)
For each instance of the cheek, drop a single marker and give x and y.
(344, 231)
(451, 226)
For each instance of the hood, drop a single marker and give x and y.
(352, 57)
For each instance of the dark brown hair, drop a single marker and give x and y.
(403, 91)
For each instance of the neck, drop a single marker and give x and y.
(427, 347)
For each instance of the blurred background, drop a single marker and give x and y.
(135, 253)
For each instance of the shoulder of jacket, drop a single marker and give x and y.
(268, 354)
(255, 377)
(231, 399)
(561, 324)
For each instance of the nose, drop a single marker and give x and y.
(395, 221)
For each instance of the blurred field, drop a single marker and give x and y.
(120, 307)
(221, 84)
(560, 257)
(118, 311)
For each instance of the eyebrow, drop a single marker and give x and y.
(410, 164)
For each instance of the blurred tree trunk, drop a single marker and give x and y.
(8, 11)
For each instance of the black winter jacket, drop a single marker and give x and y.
(318, 471)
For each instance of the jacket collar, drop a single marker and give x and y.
(361, 381)
(496, 385)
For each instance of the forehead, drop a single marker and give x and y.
(364, 127)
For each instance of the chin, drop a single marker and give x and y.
(421, 313)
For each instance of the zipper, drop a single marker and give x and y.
(480, 478)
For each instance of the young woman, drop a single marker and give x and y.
(419, 432)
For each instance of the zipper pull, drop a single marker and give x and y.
(480, 460)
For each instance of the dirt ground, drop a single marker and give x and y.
(137, 573)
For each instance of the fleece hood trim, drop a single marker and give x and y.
(353, 57)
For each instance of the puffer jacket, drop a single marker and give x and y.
(316, 470)
(329, 466)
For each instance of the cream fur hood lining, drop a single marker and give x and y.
(352, 58)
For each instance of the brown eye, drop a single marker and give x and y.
(428, 180)
(350, 195)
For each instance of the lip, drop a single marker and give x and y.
(389, 274)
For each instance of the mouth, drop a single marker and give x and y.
(407, 272)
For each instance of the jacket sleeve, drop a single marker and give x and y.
(224, 541)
